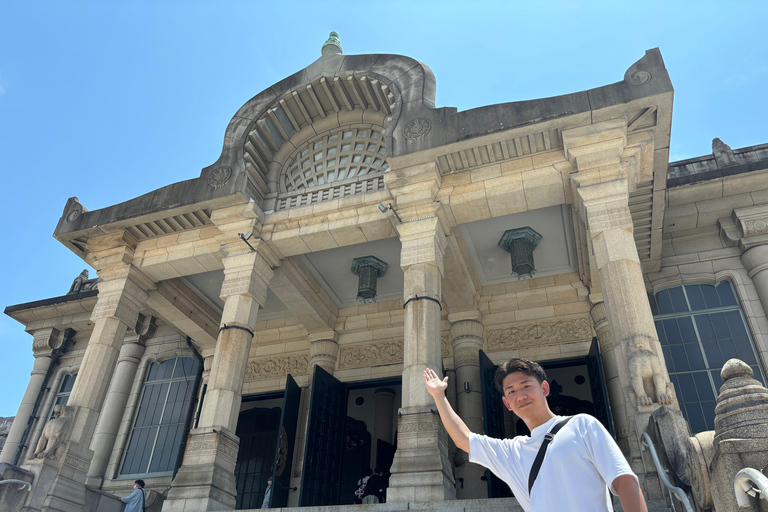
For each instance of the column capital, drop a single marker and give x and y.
(112, 254)
(415, 185)
(44, 341)
(423, 241)
(323, 353)
(745, 228)
(122, 297)
(247, 273)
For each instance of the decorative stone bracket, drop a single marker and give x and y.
(746, 228)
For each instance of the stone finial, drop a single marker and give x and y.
(742, 406)
(723, 153)
(332, 45)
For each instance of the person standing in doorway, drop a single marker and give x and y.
(267, 494)
(581, 463)
(134, 502)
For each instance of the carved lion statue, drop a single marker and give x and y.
(647, 375)
(53, 432)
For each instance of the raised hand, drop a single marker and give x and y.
(434, 385)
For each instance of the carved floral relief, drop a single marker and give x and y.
(371, 354)
(540, 332)
(277, 366)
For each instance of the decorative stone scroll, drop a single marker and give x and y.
(371, 354)
(541, 332)
(446, 350)
(745, 228)
(277, 366)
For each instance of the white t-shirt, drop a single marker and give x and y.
(581, 463)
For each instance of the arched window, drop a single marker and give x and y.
(158, 428)
(62, 395)
(700, 327)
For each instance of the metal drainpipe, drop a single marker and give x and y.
(55, 356)
(190, 413)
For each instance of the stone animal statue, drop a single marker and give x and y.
(79, 281)
(645, 372)
(53, 432)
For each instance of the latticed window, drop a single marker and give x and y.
(700, 327)
(158, 428)
(62, 395)
(341, 154)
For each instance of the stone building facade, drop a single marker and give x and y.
(239, 329)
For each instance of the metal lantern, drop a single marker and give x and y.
(520, 243)
(368, 268)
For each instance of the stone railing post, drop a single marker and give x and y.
(43, 341)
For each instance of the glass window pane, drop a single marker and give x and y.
(665, 302)
(711, 300)
(685, 324)
(714, 357)
(757, 374)
(672, 332)
(654, 306)
(679, 359)
(667, 359)
(703, 386)
(725, 291)
(687, 388)
(696, 418)
(728, 350)
(695, 298)
(660, 332)
(736, 324)
(695, 359)
(708, 408)
(721, 326)
(716, 379)
(704, 326)
(678, 300)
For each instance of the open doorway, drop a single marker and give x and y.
(576, 386)
(351, 429)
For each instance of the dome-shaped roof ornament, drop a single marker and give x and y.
(332, 46)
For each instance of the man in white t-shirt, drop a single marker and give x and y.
(581, 465)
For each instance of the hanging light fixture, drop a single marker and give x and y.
(368, 269)
(520, 243)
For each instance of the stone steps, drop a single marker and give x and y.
(484, 505)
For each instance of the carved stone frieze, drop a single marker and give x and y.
(541, 332)
(445, 346)
(277, 366)
(371, 354)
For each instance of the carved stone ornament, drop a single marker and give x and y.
(74, 214)
(54, 432)
(219, 177)
(417, 128)
(698, 455)
(371, 354)
(277, 366)
(646, 374)
(539, 333)
(445, 346)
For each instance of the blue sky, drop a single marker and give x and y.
(109, 100)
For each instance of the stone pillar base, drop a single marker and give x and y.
(421, 471)
(206, 480)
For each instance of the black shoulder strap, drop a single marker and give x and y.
(548, 437)
(144, 500)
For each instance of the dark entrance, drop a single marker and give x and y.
(576, 386)
(339, 443)
(267, 430)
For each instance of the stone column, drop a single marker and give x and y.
(384, 412)
(323, 351)
(467, 340)
(755, 261)
(206, 479)
(117, 398)
(122, 295)
(609, 166)
(612, 354)
(421, 471)
(44, 340)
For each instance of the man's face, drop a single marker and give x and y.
(523, 395)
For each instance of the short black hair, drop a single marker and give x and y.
(515, 365)
(141, 483)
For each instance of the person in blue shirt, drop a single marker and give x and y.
(135, 501)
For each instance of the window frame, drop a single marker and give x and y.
(692, 314)
(191, 380)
